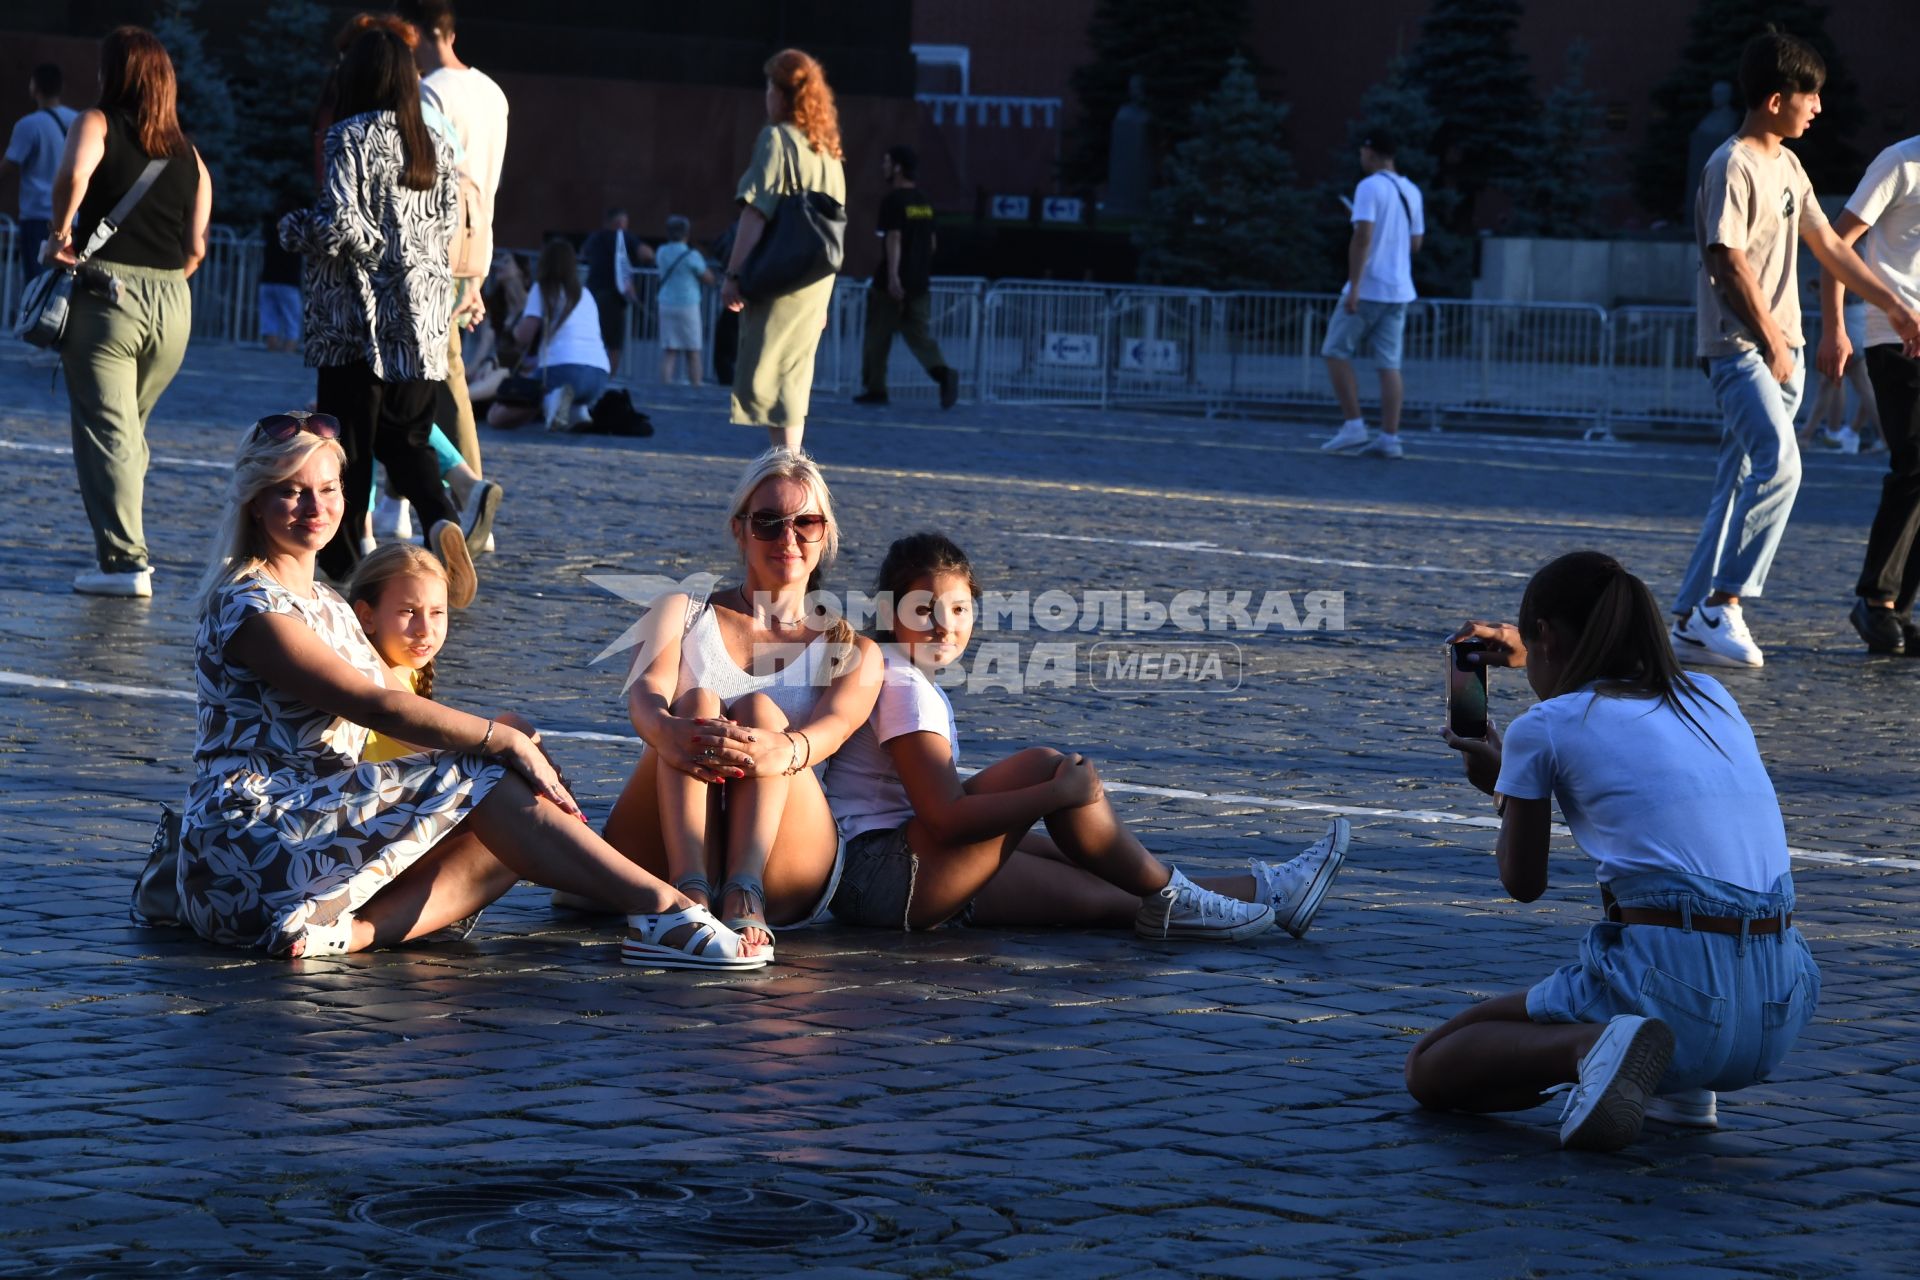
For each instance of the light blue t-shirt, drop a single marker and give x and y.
(36, 146)
(679, 280)
(1641, 790)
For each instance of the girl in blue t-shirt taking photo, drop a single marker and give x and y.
(1696, 980)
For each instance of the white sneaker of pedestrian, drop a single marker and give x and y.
(1604, 1110)
(1686, 1108)
(135, 584)
(1296, 888)
(1716, 635)
(1385, 445)
(1351, 435)
(1847, 440)
(392, 518)
(556, 407)
(487, 546)
(1184, 910)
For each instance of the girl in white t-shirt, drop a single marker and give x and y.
(924, 845)
(560, 332)
(1696, 980)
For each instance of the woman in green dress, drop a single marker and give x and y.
(799, 150)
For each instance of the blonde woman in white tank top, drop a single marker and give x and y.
(739, 697)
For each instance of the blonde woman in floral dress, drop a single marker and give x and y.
(292, 842)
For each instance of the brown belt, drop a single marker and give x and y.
(1758, 927)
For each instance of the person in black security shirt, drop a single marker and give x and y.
(897, 300)
(610, 254)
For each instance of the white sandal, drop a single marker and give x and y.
(711, 945)
(334, 939)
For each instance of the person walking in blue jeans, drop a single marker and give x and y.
(1696, 980)
(1754, 207)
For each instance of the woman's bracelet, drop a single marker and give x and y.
(809, 741)
(487, 741)
(793, 756)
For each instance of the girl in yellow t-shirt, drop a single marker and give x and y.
(399, 593)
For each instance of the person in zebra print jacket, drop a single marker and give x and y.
(379, 295)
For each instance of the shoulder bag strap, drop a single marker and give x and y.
(1404, 206)
(57, 120)
(118, 214)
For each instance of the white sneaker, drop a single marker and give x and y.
(1184, 910)
(556, 407)
(368, 546)
(1385, 445)
(1296, 888)
(392, 518)
(136, 584)
(1351, 435)
(487, 546)
(1686, 1108)
(1846, 440)
(1715, 635)
(1603, 1112)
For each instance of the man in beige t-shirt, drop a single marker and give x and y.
(1755, 206)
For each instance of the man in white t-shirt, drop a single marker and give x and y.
(475, 105)
(1883, 216)
(1389, 222)
(39, 140)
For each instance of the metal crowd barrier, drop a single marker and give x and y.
(226, 288)
(1066, 343)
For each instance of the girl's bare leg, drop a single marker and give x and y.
(1090, 836)
(1035, 891)
(1493, 1057)
(666, 367)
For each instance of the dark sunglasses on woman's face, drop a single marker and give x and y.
(285, 426)
(771, 526)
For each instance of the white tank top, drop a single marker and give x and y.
(706, 664)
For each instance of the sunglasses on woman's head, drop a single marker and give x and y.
(771, 526)
(285, 426)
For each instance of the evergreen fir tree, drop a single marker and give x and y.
(1466, 66)
(284, 57)
(1711, 52)
(1557, 192)
(206, 108)
(1176, 49)
(1230, 213)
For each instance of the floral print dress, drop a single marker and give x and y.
(285, 825)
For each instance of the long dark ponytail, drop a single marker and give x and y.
(376, 73)
(1620, 644)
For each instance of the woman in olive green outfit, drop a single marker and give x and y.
(773, 376)
(120, 355)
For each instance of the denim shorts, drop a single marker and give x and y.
(1375, 329)
(586, 380)
(1735, 1004)
(876, 880)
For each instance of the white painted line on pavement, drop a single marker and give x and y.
(21, 679)
(1214, 549)
(66, 451)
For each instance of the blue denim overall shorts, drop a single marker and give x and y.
(1735, 1002)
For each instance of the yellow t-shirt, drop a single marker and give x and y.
(381, 749)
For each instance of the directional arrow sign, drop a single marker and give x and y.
(1060, 209)
(1150, 355)
(1010, 208)
(1081, 350)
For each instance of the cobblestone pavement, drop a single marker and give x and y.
(970, 1102)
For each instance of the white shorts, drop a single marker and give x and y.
(680, 328)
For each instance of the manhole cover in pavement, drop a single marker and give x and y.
(604, 1216)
